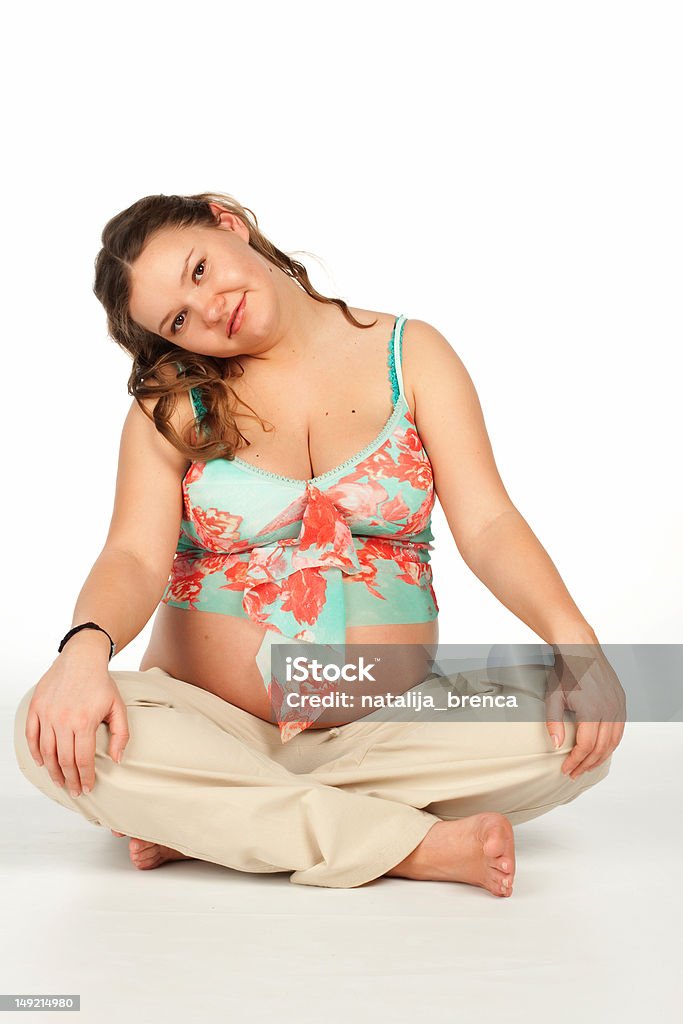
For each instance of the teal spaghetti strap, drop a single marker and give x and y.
(395, 357)
(197, 404)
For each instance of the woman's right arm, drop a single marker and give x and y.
(123, 589)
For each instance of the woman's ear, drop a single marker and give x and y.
(229, 221)
(220, 212)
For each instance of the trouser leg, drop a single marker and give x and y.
(455, 768)
(191, 780)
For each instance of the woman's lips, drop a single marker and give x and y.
(238, 317)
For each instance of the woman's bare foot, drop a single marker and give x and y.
(145, 855)
(479, 850)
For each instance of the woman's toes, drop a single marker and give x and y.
(505, 864)
(501, 884)
(139, 845)
(140, 850)
(498, 844)
(145, 858)
(148, 860)
(502, 878)
(146, 852)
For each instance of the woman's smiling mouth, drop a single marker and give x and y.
(237, 317)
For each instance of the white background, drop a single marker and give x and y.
(510, 173)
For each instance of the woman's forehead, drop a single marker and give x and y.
(173, 239)
(164, 255)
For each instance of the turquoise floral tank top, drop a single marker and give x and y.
(306, 559)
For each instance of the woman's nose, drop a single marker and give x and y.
(212, 310)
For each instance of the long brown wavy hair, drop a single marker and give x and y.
(154, 372)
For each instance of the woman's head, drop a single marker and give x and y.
(170, 274)
(188, 281)
(150, 310)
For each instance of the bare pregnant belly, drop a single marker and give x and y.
(217, 653)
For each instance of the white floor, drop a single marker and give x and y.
(592, 930)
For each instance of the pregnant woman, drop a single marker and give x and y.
(278, 467)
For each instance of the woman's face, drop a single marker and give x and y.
(187, 283)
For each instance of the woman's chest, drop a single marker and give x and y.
(304, 422)
(385, 491)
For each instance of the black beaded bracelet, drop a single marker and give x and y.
(87, 625)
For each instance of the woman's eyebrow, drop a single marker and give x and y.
(182, 278)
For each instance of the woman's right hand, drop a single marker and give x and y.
(70, 701)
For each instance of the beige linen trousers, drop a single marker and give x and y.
(335, 807)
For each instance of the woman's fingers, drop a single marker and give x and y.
(67, 760)
(602, 749)
(586, 736)
(84, 749)
(605, 738)
(619, 728)
(32, 733)
(48, 752)
(617, 731)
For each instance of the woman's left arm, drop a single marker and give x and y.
(492, 536)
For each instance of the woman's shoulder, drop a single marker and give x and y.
(421, 336)
(427, 356)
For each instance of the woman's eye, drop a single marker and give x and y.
(175, 326)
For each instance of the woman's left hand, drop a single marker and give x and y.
(583, 681)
